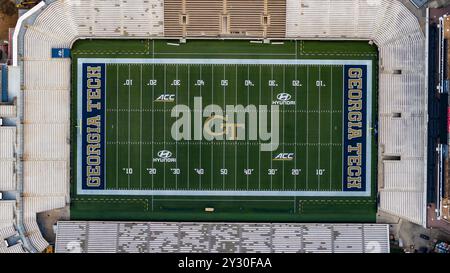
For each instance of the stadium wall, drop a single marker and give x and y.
(57, 24)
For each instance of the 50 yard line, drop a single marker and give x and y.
(224, 139)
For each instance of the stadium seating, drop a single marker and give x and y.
(277, 11)
(34, 235)
(7, 110)
(105, 18)
(6, 219)
(237, 18)
(402, 107)
(246, 17)
(7, 228)
(157, 237)
(7, 158)
(46, 81)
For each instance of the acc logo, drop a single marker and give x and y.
(284, 156)
(164, 156)
(283, 99)
(166, 98)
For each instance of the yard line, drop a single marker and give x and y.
(284, 90)
(259, 150)
(117, 127)
(189, 105)
(105, 141)
(129, 118)
(176, 142)
(307, 124)
(153, 120)
(235, 141)
(342, 140)
(140, 138)
(164, 130)
(331, 126)
(295, 123)
(200, 143)
(318, 155)
(271, 152)
(224, 139)
(248, 102)
(211, 142)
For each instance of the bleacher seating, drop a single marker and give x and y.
(46, 81)
(243, 18)
(7, 228)
(7, 158)
(157, 237)
(401, 46)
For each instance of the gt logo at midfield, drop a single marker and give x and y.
(166, 98)
(284, 156)
(164, 154)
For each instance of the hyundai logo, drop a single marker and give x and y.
(164, 154)
(283, 97)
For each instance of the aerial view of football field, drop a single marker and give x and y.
(224, 130)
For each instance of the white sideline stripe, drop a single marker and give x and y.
(222, 61)
(222, 193)
(231, 61)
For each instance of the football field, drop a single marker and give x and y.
(260, 126)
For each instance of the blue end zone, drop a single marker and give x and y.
(93, 126)
(355, 123)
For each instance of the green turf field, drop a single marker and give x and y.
(155, 170)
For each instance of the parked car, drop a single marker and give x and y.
(425, 237)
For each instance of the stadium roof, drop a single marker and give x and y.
(155, 237)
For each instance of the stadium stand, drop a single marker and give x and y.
(45, 82)
(87, 236)
(7, 110)
(7, 158)
(7, 228)
(228, 18)
(402, 140)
